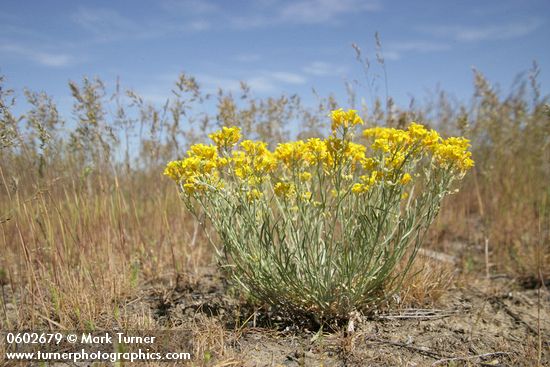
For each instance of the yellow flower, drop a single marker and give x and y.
(200, 161)
(417, 131)
(396, 160)
(265, 163)
(431, 138)
(461, 143)
(369, 164)
(405, 179)
(189, 188)
(207, 167)
(203, 151)
(174, 170)
(334, 147)
(284, 189)
(341, 118)
(291, 154)
(254, 180)
(466, 164)
(305, 176)
(389, 139)
(381, 144)
(367, 182)
(222, 162)
(357, 188)
(454, 152)
(226, 137)
(254, 195)
(316, 151)
(356, 152)
(256, 161)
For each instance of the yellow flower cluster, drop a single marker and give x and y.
(405, 179)
(202, 161)
(345, 119)
(451, 152)
(316, 151)
(299, 155)
(291, 154)
(284, 189)
(367, 182)
(254, 163)
(454, 151)
(290, 168)
(226, 137)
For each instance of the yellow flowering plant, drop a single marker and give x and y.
(319, 226)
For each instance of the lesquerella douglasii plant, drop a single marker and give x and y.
(319, 226)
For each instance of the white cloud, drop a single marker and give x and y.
(211, 83)
(395, 50)
(495, 32)
(303, 12)
(321, 11)
(261, 82)
(198, 25)
(109, 25)
(44, 58)
(492, 32)
(252, 21)
(286, 77)
(48, 59)
(392, 55)
(321, 68)
(418, 46)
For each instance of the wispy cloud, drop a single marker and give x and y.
(109, 25)
(321, 68)
(304, 12)
(251, 21)
(396, 50)
(491, 32)
(322, 11)
(44, 58)
(418, 46)
(266, 82)
(106, 24)
(190, 6)
(261, 82)
(196, 26)
(211, 83)
(286, 77)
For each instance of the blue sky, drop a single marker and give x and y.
(276, 46)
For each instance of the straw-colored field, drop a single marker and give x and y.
(93, 237)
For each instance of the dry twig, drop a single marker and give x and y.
(486, 355)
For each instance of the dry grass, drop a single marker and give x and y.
(87, 221)
(79, 255)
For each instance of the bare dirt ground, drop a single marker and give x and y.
(489, 323)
